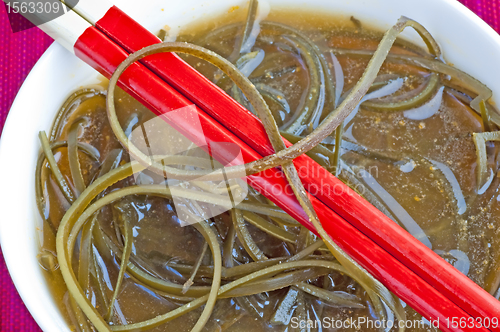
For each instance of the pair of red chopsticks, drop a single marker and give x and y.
(163, 82)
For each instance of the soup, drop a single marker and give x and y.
(411, 147)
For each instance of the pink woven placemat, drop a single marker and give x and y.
(18, 53)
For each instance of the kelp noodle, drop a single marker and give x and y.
(459, 80)
(256, 248)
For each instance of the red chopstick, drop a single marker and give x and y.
(348, 204)
(97, 50)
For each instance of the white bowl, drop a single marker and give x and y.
(467, 42)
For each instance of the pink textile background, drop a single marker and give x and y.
(18, 53)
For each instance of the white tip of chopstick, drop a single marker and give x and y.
(66, 29)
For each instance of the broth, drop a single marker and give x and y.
(420, 169)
